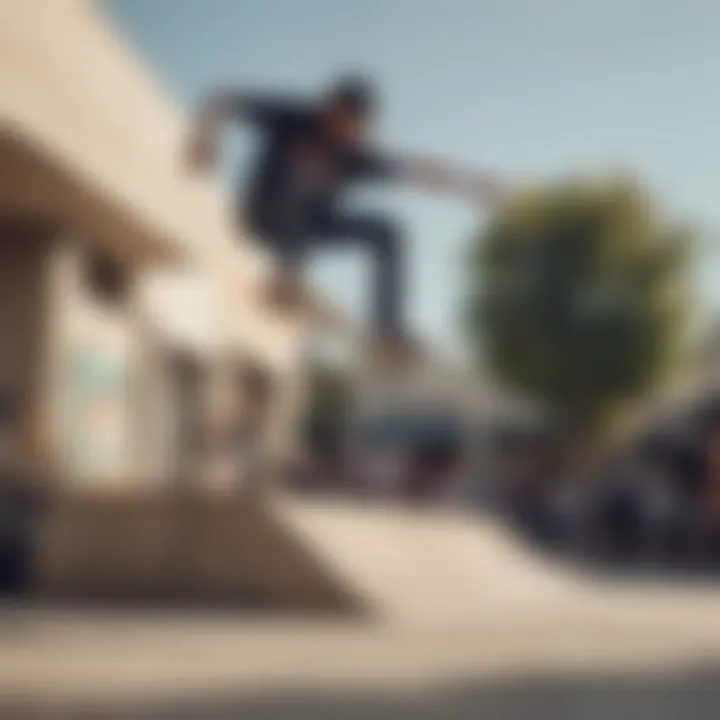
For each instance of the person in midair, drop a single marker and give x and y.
(311, 151)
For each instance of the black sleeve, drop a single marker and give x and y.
(269, 111)
(372, 165)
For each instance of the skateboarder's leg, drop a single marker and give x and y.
(383, 240)
(287, 241)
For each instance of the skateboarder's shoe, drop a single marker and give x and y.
(394, 352)
(286, 292)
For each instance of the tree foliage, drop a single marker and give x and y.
(578, 296)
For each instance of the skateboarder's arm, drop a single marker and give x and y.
(484, 188)
(216, 109)
(223, 105)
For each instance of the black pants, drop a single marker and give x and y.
(292, 241)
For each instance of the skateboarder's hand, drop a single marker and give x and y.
(483, 188)
(488, 191)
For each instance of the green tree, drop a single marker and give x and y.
(578, 294)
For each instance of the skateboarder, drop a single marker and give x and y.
(311, 151)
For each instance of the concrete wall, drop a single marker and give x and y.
(94, 365)
(23, 325)
(22, 280)
(92, 147)
(68, 81)
(106, 168)
(130, 547)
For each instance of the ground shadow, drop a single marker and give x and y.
(691, 694)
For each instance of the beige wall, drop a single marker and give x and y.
(23, 307)
(93, 361)
(121, 152)
(196, 548)
(90, 145)
(22, 282)
(68, 84)
(90, 142)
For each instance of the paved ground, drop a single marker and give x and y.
(631, 654)
(475, 628)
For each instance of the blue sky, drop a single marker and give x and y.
(532, 88)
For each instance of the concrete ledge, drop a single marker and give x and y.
(217, 549)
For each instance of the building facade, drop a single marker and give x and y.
(133, 323)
